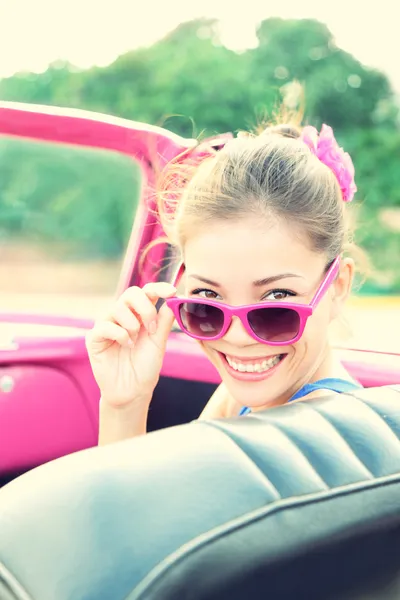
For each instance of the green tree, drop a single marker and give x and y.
(210, 89)
(339, 90)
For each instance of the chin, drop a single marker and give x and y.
(258, 379)
(258, 386)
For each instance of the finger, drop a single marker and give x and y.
(136, 302)
(122, 315)
(160, 289)
(155, 292)
(165, 321)
(143, 302)
(105, 331)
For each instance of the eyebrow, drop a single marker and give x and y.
(258, 283)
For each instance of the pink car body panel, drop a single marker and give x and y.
(48, 397)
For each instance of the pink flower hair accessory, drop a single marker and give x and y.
(328, 151)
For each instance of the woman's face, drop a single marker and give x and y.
(235, 255)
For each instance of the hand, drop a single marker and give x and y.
(126, 350)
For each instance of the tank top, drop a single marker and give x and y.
(330, 383)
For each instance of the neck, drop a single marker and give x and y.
(327, 366)
(330, 366)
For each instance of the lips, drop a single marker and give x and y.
(258, 366)
(252, 359)
(252, 369)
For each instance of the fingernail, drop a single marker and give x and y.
(152, 327)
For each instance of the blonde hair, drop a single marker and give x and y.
(272, 175)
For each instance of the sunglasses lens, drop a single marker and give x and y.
(274, 324)
(201, 320)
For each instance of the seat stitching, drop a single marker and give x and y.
(264, 476)
(12, 583)
(371, 409)
(368, 471)
(365, 402)
(252, 415)
(220, 531)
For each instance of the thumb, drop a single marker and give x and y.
(165, 321)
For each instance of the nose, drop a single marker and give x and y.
(237, 335)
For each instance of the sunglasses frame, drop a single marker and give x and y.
(304, 311)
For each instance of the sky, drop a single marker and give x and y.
(34, 33)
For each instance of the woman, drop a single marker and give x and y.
(261, 225)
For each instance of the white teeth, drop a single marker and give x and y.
(265, 365)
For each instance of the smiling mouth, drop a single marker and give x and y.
(255, 365)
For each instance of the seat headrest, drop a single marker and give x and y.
(204, 510)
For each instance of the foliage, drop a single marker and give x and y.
(194, 85)
(82, 200)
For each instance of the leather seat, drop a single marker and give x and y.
(300, 501)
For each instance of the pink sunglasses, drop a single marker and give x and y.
(274, 323)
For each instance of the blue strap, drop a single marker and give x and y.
(330, 383)
(335, 385)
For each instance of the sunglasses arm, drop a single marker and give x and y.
(328, 280)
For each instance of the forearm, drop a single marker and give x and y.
(121, 423)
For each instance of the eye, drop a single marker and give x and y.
(279, 295)
(204, 293)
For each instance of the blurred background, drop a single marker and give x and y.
(197, 69)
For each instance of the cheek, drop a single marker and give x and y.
(208, 351)
(312, 343)
(214, 358)
(317, 328)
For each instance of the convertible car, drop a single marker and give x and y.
(301, 501)
(48, 397)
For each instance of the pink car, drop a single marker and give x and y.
(48, 397)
